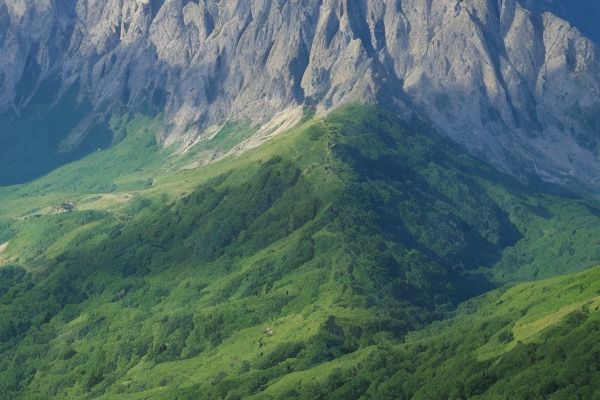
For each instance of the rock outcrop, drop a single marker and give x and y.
(516, 85)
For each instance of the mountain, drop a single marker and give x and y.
(299, 199)
(582, 14)
(516, 84)
(297, 269)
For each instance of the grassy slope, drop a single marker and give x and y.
(341, 235)
(532, 341)
(30, 141)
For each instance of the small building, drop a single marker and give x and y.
(67, 206)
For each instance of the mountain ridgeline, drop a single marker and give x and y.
(514, 81)
(313, 266)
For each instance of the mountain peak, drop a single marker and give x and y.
(515, 84)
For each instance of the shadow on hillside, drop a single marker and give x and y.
(30, 140)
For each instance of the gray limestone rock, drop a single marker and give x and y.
(513, 83)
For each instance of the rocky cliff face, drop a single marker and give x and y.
(519, 86)
(582, 14)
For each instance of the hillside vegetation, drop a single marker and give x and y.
(314, 266)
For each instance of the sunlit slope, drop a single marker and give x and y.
(532, 341)
(339, 236)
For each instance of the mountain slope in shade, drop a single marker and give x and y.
(263, 274)
(520, 88)
(582, 14)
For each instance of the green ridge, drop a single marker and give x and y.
(341, 236)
